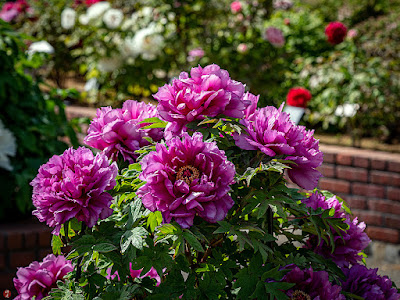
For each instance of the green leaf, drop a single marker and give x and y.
(56, 244)
(192, 240)
(104, 247)
(153, 220)
(133, 237)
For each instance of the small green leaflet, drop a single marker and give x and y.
(133, 237)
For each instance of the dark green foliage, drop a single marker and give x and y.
(37, 121)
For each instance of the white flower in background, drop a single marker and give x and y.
(68, 17)
(347, 110)
(113, 18)
(91, 85)
(146, 12)
(94, 12)
(8, 147)
(109, 64)
(147, 42)
(41, 46)
(83, 19)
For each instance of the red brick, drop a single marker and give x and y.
(385, 178)
(327, 170)
(377, 164)
(369, 217)
(392, 221)
(329, 158)
(383, 234)
(384, 206)
(2, 261)
(334, 185)
(368, 190)
(45, 238)
(393, 193)
(343, 159)
(14, 240)
(394, 166)
(352, 174)
(357, 202)
(21, 258)
(6, 281)
(362, 162)
(30, 240)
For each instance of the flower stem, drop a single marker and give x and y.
(78, 265)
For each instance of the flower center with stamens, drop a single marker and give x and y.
(187, 173)
(300, 295)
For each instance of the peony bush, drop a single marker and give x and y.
(226, 207)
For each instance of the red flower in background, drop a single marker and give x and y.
(91, 2)
(298, 97)
(336, 32)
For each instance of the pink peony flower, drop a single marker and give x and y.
(118, 131)
(348, 244)
(335, 32)
(74, 185)
(236, 7)
(310, 284)
(38, 279)
(187, 177)
(352, 33)
(271, 131)
(198, 52)
(275, 37)
(209, 92)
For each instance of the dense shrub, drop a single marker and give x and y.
(36, 120)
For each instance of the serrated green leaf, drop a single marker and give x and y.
(104, 247)
(56, 244)
(192, 241)
(133, 237)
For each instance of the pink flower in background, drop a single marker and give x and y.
(286, 21)
(209, 92)
(275, 37)
(352, 33)
(9, 11)
(187, 177)
(242, 48)
(118, 131)
(38, 279)
(74, 185)
(91, 2)
(236, 7)
(335, 32)
(195, 53)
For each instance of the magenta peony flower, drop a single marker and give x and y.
(209, 92)
(9, 11)
(311, 285)
(275, 37)
(347, 246)
(366, 283)
(187, 177)
(317, 200)
(117, 131)
(38, 279)
(335, 32)
(271, 131)
(74, 185)
(152, 274)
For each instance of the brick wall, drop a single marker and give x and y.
(20, 244)
(369, 181)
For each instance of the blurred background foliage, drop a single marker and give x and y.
(111, 51)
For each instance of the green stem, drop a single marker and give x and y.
(78, 265)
